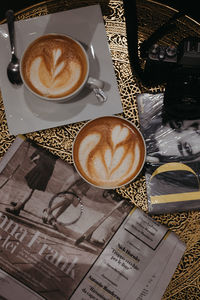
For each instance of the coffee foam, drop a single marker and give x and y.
(108, 154)
(54, 66)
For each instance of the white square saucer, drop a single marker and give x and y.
(27, 113)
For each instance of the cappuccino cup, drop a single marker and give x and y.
(109, 152)
(55, 67)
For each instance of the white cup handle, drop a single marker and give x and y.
(97, 86)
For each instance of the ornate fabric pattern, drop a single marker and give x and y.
(185, 282)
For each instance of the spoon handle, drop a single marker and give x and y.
(10, 20)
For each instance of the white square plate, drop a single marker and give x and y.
(27, 113)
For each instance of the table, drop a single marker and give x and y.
(185, 282)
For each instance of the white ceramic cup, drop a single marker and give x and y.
(93, 83)
(109, 152)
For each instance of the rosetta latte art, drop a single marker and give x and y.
(54, 66)
(109, 156)
(55, 78)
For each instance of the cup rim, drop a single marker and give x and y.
(143, 158)
(56, 99)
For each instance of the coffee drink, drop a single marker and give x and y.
(54, 66)
(109, 152)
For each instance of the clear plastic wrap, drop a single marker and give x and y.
(173, 158)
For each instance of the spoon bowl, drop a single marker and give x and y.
(13, 70)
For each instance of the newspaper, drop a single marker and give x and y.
(61, 238)
(173, 157)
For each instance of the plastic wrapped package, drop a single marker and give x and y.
(173, 158)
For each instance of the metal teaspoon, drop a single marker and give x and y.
(13, 71)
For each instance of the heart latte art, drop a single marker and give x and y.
(109, 152)
(54, 66)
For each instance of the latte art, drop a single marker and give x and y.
(54, 66)
(108, 152)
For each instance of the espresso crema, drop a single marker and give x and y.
(109, 152)
(54, 66)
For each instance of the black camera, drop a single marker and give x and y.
(176, 67)
(179, 68)
(182, 92)
(159, 63)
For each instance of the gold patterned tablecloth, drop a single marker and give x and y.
(185, 283)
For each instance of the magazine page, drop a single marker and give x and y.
(173, 158)
(53, 225)
(10, 288)
(137, 263)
